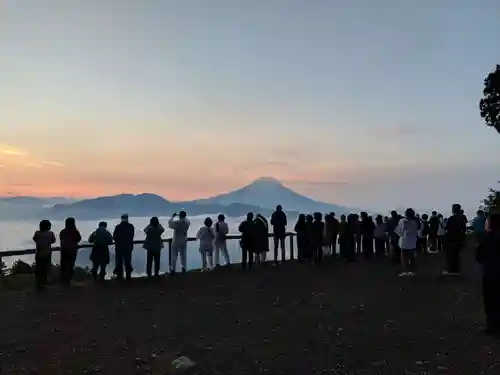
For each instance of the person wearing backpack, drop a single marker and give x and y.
(221, 231)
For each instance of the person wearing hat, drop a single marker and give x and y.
(123, 236)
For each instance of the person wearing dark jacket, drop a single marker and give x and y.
(101, 239)
(317, 237)
(393, 237)
(248, 241)
(153, 245)
(455, 240)
(279, 222)
(302, 237)
(309, 254)
(343, 237)
(434, 221)
(367, 229)
(488, 256)
(69, 238)
(124, 244)
(261, 238)
(350, 237)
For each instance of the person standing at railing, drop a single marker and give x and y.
(221, 231)
(44, 238)
(248, 241)
(279, 222)
(206, 236)
(69, 238)
(302, 237)
(379, 234)
(124, 245)
(317, 237)
(261, 237)
(367, 229)
(179, 239)
(455, 240)
(153, 245)
(102, 239)
(407, 231)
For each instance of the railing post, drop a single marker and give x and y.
(291, 246)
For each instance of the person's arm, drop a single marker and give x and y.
(171, 223)
(241, 227)
(35, 237)
(198, 234)
(285, 222)
(146, 229)
(110, 238)
(52, 238)
(78, 236)
(273, 219)
(399, 228)
(161, 229)
(92, 237)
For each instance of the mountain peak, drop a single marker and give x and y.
(266, 181)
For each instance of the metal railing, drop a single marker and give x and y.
(168, 241)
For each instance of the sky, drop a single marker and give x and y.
(356, 102)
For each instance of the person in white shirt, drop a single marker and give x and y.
(179, 239)
(407, 230)
(221, 231)
(206, 235)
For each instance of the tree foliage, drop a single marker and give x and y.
(492, 202)
(490, 103)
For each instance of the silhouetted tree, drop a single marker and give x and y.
(492, 202)
(490, 103)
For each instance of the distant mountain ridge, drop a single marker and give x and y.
(260, 196)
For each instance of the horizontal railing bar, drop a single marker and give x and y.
(12, 253)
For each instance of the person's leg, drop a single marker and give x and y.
(63, 276)
(174, 256)
(210, 259)
(225, 253)
(217, 251)
(251, 255)
(94, 270)
(127, 260)
(149, 262)
(282, 246)
(119, 263)
(157, 262)
(102, 271)
(183, 256)
(39, 272)
(244, 258)
(276, 245)
(203, 260)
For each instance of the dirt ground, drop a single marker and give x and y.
(335, 318)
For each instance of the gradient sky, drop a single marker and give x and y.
(357, 102)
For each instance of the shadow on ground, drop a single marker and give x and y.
(294, 319)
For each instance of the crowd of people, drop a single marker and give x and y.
(401, 237)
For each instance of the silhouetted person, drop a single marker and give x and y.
(153, 245)
(331, 233)
(407, 231)
(488, 255)
(123, 236)
(261, 227)
(44, 238)
(206, 236)
(367, 229)
(101, 239)
(441, 233)
(350, 237)
(317, 238)
(69, 238)
(394, 238)
(357, 226)
(433, 231)
(343, 231)
(221, 231)
(302, 237)
(424, 234)
(248, 241)
(334, 232)
(179, 240)
(479, 226)
(379, 234)
(279, 222)
(309, 254)
(455, 240)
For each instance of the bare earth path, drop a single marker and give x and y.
(295, 319)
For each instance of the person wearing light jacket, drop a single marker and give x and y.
(221, 231)
(179, 239)
(407, 230)
(206, 235)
